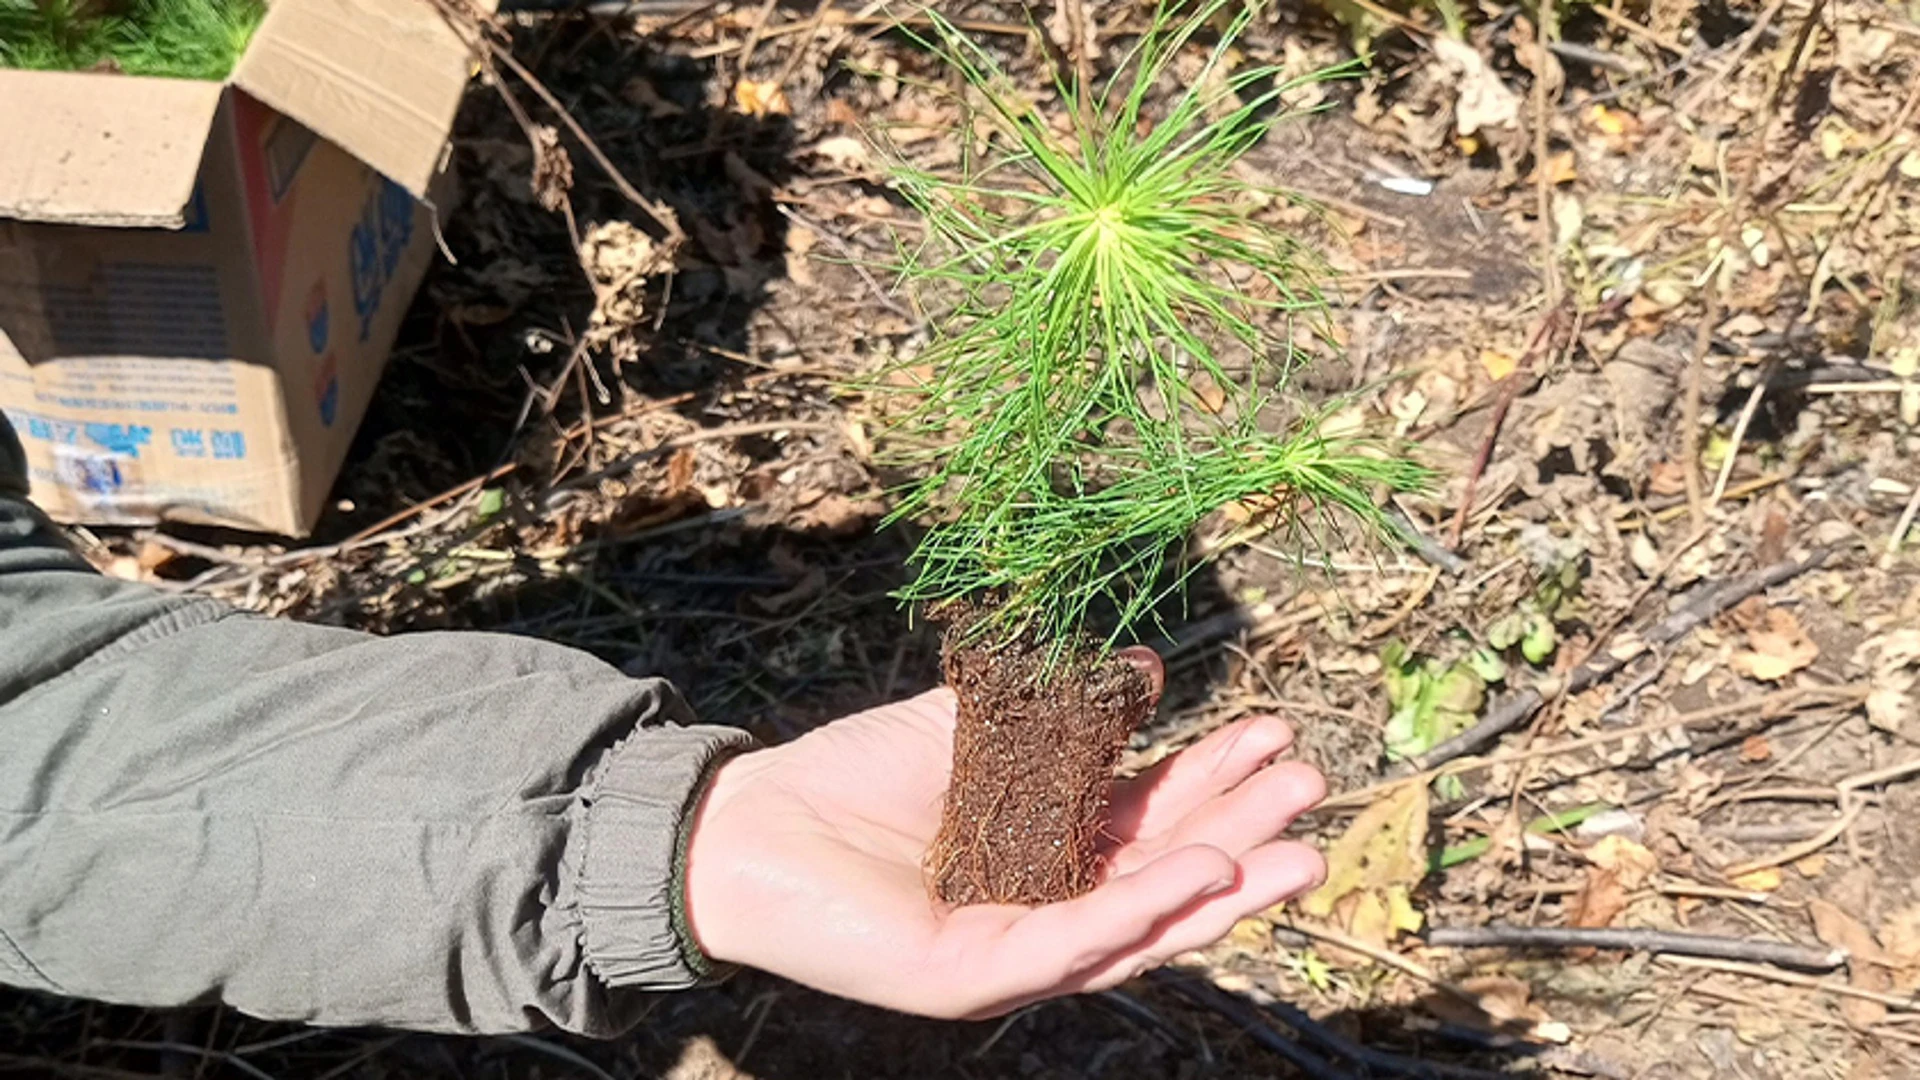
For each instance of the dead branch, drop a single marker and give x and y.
(1545, 339)
(1706, 605)
(1767, 707)
(1902, 1002)
(478, 32)
(1778, 953)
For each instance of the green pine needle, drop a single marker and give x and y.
(178, 39)
(1116, 336)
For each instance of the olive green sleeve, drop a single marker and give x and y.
(441, 831)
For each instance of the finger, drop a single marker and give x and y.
(1049, 945)
(1256, 811)
(1269, 874)
(1147, 662)
(1161, 797)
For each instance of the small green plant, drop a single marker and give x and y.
(1112, 334)
(1116, 330)
(181, 39)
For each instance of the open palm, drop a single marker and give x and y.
(805, 860)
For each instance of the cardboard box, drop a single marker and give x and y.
(199, 282)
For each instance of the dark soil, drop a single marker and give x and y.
(1034, 753)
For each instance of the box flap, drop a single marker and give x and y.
(89, 149)
(381, 79)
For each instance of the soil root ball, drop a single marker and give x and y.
(1035, 746)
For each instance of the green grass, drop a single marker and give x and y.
(181, 39)
(1115, 331)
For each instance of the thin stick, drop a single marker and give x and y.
(1543, 331)
(1765, 704)
(1739, 436)
(668, 446)
(1515, 710)
(454, 492)
(475, 30)
(1905, 523)
(1902, 1002)
(1546, 27)
(1383, 956)
(1664, 942)
(1690, 404)
(1802, 849)
(1852, 808)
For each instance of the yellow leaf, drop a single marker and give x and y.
(1499, 365)
(1610, 121)
(1631, 863)
(760, 98)
(1401, 914)
(1369, 923)
(1811, 866)
(1385, 845)
(1765, 879)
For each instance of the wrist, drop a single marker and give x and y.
(707, 859)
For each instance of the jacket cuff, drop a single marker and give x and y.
(631, 888)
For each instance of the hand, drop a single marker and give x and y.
(804, 861)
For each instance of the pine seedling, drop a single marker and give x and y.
(1114, 333)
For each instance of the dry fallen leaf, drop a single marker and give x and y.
(1499, 365)
(761, 98)
(1504, 1003)
(1765, 879)
(1599, 901)
(1778, 650)
(1484, 100)
(1900, 942)
(844, 152)
(1385, 845)
(1627, 859)
(1866, 969)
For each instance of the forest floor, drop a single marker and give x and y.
(1641, 304)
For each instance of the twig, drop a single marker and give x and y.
(1249, 1021)
(1804, 848)
(1739, 436)
(1852, 806)
(1423, 545)
(222, 1056)
(475, 29)
(1905, 523)
(668, 446)
(1903, 1002)
(1545, 331)
(1516, 709)
(754, 33)
(1546, 27)
(1778, 953)
(1381, 956)
(1712, 301)
(1690, 403)
(1765, 705)
(846, 252)
(584, 427)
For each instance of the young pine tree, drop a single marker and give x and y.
(1108, 367)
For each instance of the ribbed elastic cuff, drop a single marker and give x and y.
(639, 815)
